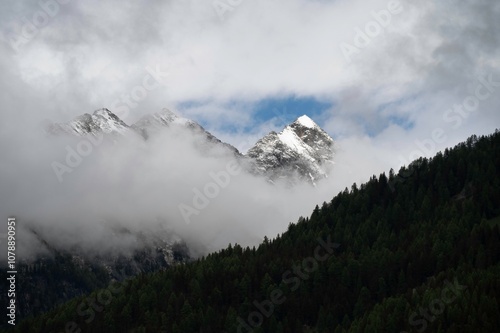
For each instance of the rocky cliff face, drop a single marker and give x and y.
(301, 151)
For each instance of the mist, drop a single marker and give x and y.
(387, 102)
(136, 185)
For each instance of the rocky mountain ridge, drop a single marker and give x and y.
(302, 151)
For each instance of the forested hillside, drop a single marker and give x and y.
(414, 251)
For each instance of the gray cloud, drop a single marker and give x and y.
(92, 53)
(139, 186)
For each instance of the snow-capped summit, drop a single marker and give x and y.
(167, 119)
(108, 122)
(302, 148)
(306, 121)
(155, 122)
(301, 151)
(101, 121)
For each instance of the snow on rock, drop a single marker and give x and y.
(108, 122)
(302, 150)
(288, 137)
(306, 121)
(152, 124)
(101, 121)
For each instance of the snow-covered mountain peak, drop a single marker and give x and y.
(104, 113)
(301, 148)
(168, 113)
(306, 121)
(108, 122)
(101, 121)
(155, 122)
(304, 135)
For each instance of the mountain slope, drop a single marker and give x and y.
(398, 253)
(155, 123)
(152, 254)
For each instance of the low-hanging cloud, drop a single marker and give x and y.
(130, 184)
(387, 104)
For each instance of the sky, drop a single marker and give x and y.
(390, 81)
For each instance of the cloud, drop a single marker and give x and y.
(387, 101)
(138, 186)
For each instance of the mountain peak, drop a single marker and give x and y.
(155, 122)
(168, 112)
(101, 121)
(306, 121)
(301, 151)
(108, 122)
(102, 111)
(301, 148)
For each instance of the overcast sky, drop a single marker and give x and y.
(223, 59)
(389, 81)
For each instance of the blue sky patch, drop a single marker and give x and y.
(284, 110)
(287, 109)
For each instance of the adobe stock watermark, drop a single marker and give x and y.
(436, 307)
(372, 29)
(221, 7)
(74, 157)
(33, 24)
(151, 81)
(483, 91)
(211, 190)
(291, 278)
(455, 116)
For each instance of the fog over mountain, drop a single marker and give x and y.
(81, 192)
(403, 95)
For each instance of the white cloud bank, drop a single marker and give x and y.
(407, 92)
